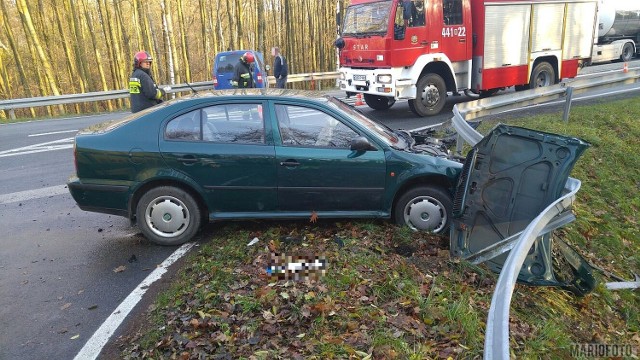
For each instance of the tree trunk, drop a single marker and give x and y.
(183, 42)
(96, 52)
(165, 25)
(16, 56)
(31, 34)
(71, 68)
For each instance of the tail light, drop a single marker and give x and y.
(259, 77)
(215, 81)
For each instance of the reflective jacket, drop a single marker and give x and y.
(143, 91)
(242, 77)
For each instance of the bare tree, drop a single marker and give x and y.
(33, 36)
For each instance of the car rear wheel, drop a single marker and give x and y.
(424, 208)
(167, 215)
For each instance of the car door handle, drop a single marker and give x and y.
(187, 159)
(289, 163)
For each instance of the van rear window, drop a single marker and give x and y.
(226, 63)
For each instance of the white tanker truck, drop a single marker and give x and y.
(618, 30)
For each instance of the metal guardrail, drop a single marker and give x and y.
(496, 345)
(13, 104)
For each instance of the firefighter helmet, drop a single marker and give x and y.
(248, 57)
(140, 57)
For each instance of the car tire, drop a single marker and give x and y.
(167, 215)
(431, 95)
(377, 102)
(425, 208)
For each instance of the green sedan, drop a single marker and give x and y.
(258, 154)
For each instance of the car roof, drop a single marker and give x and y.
(255, 94)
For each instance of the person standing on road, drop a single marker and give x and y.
(143, 91)
(280, 69)
(242, 76)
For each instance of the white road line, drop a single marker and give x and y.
(45, 146)
(48, 148)
(99, 339)
(53, 133)
(33, 194)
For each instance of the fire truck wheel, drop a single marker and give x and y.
(431, 95)
(379, 102)
(542, 75)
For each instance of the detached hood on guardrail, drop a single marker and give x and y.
(509, 177)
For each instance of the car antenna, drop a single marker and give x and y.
(191, 87)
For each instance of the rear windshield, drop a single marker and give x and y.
(226, 63)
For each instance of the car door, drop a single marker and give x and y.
(226, 150)
(316, 169)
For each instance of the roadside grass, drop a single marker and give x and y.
(390, 293)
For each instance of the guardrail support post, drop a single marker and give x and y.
(12, 114)
(567, 104)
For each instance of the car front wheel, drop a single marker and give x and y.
(167, 215)
(424, 208)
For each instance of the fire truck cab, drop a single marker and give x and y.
(420, 50)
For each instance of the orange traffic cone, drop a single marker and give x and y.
(359, 100)
(625, 68)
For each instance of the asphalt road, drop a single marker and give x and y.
(63, 271)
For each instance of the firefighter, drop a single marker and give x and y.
(143, 91)
(242, 76)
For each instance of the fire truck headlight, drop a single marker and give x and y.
(384, 79)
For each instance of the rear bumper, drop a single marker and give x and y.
(100, 198)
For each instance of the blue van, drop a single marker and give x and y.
(225, 62)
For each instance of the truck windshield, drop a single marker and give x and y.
(366, 19)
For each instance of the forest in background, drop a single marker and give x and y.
(54, 47)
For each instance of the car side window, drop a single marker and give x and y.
(234, 123)
(184, 127)
(301, 126)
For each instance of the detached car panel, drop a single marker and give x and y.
(255, 153)
(509, 177)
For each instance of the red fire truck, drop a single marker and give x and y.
(420, 50)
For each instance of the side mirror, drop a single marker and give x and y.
(361, 143)
(267, 67)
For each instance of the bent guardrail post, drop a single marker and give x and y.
(567, 104)
(496, 342)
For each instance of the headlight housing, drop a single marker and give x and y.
(384, 79)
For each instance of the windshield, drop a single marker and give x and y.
(381, 131)
(369, 18)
